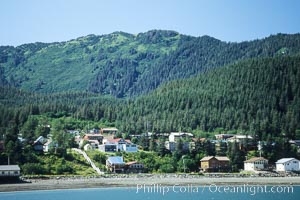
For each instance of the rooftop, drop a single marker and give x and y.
(181, 134)
(284, 160)
(115, 160)
(9, 167)
(254, 159)
(109, 129)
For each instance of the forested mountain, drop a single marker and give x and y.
(258, 96)
(122, 64)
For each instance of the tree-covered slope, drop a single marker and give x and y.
(122, 64)
(95, 63)
(261, 96)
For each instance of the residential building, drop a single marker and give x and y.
(134, 167)
(112, 131)
(287, 164)
(175, 136)
(172, 145)
(255, 164)
(108, 147)
(239, 138)
(215, 164)
(130, 147)
(48, 145)
(97, 136)
(9, 171)
(223, 136)
(115, 164)
(94, 131)
(73, 132)
(121, 144)
(295, 143)
(38, 144)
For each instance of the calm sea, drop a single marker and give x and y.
(157, 192)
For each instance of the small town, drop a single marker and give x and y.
(112, 152)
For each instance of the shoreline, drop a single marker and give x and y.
(113, 182)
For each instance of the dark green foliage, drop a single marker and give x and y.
(122, 64)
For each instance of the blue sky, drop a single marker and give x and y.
(26, 21)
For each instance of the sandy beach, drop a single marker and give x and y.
(133, 181)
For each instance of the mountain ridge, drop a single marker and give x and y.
(124, 65)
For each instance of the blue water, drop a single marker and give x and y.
(162, 192)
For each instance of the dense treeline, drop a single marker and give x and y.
(260, 96)
(126, 65)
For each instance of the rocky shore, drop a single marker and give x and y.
(61, 182)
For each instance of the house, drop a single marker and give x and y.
(97, 136)
(38, 144)
(121, 144)
(115, 164)
(239, 138)
(295, 143)
(94, 144)
(130, 147)
(94, 131)
(172, 145)
(134, 167)
(175, 136)
(73, 132)
(9, 171)
(215, 164)
(112, 131)
(108, 147)
(255, 164)
(245, 142)
(287, 164)
(48, 145)
(223, 136)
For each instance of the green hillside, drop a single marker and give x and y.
(122, 64)
(258, 96)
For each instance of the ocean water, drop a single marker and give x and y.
(157, 192)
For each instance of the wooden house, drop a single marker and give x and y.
(215, 164)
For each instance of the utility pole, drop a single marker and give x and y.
(183, 163)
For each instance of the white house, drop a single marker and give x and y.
(174, 136)
(108, 147)
(287, 164)
(239, 138)
(129, 147)
(256, 163)
(9, 171)
(121, 144)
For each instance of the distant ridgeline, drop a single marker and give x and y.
(178, 83)
(126, 65)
